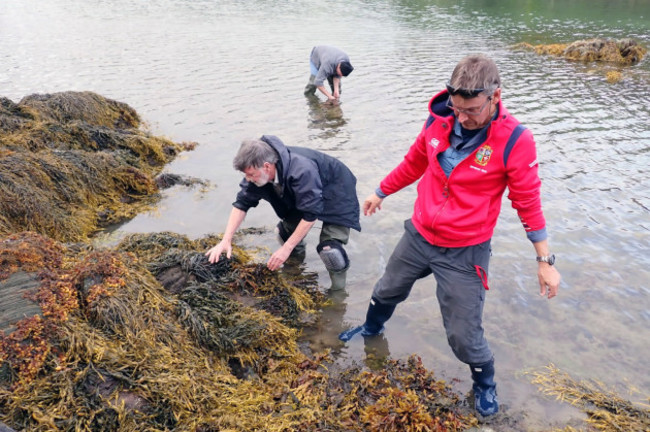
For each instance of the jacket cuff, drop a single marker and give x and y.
(537, 236)
(380, 193)
(240, 206)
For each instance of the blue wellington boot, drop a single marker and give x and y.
(377, 315)
(485, 389)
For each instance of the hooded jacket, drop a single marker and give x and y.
(312, 186)
(326, 59)
(462, 209)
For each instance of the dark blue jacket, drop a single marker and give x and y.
(314, 186)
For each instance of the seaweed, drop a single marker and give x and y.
(114, 349)
(73, 162)
(403, 396)
(622, 51)
(605, 409)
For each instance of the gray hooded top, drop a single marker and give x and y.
(326, 59)
(313, 186)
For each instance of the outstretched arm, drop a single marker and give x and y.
(329, 95)
(548, 276)
(225, 245)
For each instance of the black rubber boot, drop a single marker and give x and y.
(377, 315)
(485, 389)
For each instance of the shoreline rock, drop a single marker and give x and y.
(73, 162)
(621, 51)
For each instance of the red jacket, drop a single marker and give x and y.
(462, 210)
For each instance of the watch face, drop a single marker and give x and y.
(547, 259)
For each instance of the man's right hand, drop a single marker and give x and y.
(372, 204)
(215, 253)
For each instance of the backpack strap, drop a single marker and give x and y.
(516, 133)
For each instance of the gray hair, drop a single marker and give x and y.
(253, 153)
(475, 72)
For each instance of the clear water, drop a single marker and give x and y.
(219, 71)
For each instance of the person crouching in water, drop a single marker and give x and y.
(302, 185)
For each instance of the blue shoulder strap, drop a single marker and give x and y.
(516, 133)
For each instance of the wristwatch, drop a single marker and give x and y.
(549, 259)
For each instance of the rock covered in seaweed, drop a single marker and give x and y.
(622, 51)
(73, 162)
(114, 350)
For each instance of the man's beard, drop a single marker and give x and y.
(264, 179)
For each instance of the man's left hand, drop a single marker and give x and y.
(549, 280)
(278, 258)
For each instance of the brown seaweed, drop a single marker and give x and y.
(73, 162)
(114, 350)
(621, 51)
(606, 410)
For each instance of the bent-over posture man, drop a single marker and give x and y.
(327, 63)
(302, 185)
(469, 150)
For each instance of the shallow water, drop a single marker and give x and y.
(219, 71)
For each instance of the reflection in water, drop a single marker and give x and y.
(326, 116)
(377, 351)
(294, 265)
(324, 335)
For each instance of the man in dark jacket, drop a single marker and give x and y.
(302, 185)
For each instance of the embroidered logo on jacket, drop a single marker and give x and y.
(483, 155)
(434, 142)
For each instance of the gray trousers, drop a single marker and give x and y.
(461, 276)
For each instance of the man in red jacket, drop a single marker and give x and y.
(469, 150)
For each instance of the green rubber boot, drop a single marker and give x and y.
(338, 280)
(310, 88)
